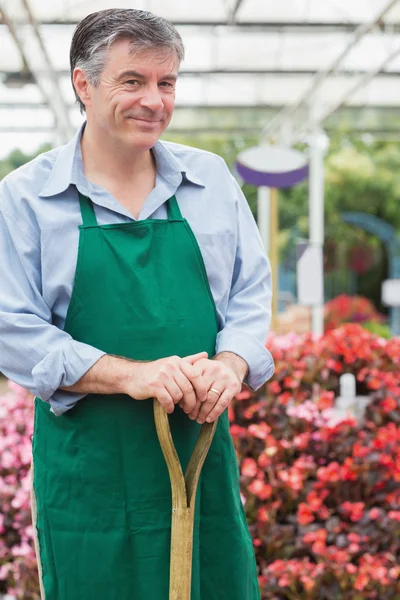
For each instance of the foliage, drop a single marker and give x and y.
(17, 158)
(323, 500)
(377, 329)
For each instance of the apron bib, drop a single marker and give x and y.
(101, 486)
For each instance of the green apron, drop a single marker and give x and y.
(101, 484)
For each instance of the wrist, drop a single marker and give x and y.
(123, 374)
(235, 362)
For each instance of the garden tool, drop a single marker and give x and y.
(183, 500)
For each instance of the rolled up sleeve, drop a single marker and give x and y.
(248, 314)
(34, 353)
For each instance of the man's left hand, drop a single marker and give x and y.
(223, 376)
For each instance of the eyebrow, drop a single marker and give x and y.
(137, 75)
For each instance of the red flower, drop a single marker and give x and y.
(348, 471)
(249, 467)
(274, 387)
(361, 582)
(354, 510)
(262, 490)
(259, 431)
(315, 499)
(263, 514)
(329, 473)
(304, 514)
(243, 395)
(394, 514)
(290, 382)
(237, 431)
(388, 404)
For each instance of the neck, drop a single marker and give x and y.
(101, 157)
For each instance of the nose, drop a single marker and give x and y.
(152, 98)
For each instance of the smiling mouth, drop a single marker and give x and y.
(145, 120)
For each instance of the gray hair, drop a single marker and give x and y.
(95, 34)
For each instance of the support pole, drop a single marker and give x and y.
(316, 218)
(263, 215)
(274, 254)
(267, 221)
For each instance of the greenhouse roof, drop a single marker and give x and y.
(251, 66)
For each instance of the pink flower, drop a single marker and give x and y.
(249, 467)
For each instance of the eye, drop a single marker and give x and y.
(167, 84)
(132, 81)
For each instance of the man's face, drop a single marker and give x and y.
(135, 98)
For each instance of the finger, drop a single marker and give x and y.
(188, 402)
(166, 401)
(208, 405)
(195, 357)
(223, 402)
(199, 383)
(174, 390)
(194, 413)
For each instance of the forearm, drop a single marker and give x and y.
(109, 375)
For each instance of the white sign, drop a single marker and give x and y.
(310, 275)
(272, 159)
(391, 292)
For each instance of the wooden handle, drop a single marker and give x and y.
(183, 500)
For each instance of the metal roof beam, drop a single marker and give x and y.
(286, 118)
(22, 78)
(303, 26)
(359, 85)
(26, 34)
(236, 4)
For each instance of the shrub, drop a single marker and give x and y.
(323, 501)
(350, 309)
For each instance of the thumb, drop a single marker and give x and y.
(195, 357)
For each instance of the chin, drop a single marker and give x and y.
(143, 140)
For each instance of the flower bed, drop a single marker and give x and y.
(323, 502)
(18, 572)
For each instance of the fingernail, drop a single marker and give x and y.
(209, 420)
(200, 421)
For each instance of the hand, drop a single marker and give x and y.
(165, 380)
(225, 374)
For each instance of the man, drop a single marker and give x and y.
(131, 269)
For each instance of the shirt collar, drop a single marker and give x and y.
(63, 173)
(169, 165)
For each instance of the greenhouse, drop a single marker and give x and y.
(283, 121)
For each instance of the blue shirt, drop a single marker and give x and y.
(39, 219)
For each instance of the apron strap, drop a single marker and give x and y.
(87, 211)
(173, 210)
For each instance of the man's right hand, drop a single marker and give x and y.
(163, 379)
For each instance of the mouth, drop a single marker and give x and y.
(150, 121)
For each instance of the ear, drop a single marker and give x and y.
(81, 85)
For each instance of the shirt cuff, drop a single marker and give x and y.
(62, 401)
(259, 359)
(63, 367)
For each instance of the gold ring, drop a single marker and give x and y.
(215, 391)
